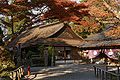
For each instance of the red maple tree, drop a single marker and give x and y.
(60, 9)
(43, 10)
(102, 13)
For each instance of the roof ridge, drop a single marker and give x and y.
(46, 25)
(102, 39)
(64, 38)
(75, 32)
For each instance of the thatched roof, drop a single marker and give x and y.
(100, 40)
(55, 34)
(101, 44)
(54, 42)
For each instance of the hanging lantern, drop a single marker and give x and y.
(95, 53)
(85, 54)
(110, 53)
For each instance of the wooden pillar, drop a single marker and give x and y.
(103, 75)
(19, 59)
(65, 54)
(46, 57)
(52, 59)
(95, 70)
(72, 52)
(80, 53)
(100, 74)
(118, 69)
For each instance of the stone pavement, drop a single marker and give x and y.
(63, 72)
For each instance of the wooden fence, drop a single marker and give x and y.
(102, 74)
(118, 68)
(17, 73)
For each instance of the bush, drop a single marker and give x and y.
(6, 64)
(30, 53)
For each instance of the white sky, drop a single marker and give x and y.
(78, 1)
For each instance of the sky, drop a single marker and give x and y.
(78, 1)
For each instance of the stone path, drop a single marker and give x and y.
(63, 72)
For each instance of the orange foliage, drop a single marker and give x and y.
(6, 10)
(67, 10)
(64, 10)
(114, 32)
(20, 0)
(100, 11)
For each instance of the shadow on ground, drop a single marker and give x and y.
(63, 72)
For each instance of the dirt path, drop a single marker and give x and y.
(63, 72)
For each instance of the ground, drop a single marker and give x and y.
(63, 72)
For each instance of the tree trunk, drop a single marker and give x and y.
(19, 59)
(1, 36)
(12, 25)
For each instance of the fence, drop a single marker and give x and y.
(17, 73)
(105, 74)
(118, 68)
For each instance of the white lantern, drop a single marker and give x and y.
(95, 53)
(85, 54)
(110, 53)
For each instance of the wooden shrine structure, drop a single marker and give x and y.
(101, 41)
(59, 35)
(103, 44)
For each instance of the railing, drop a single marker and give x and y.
(118, 68)
(105, 74)
(17, 73)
